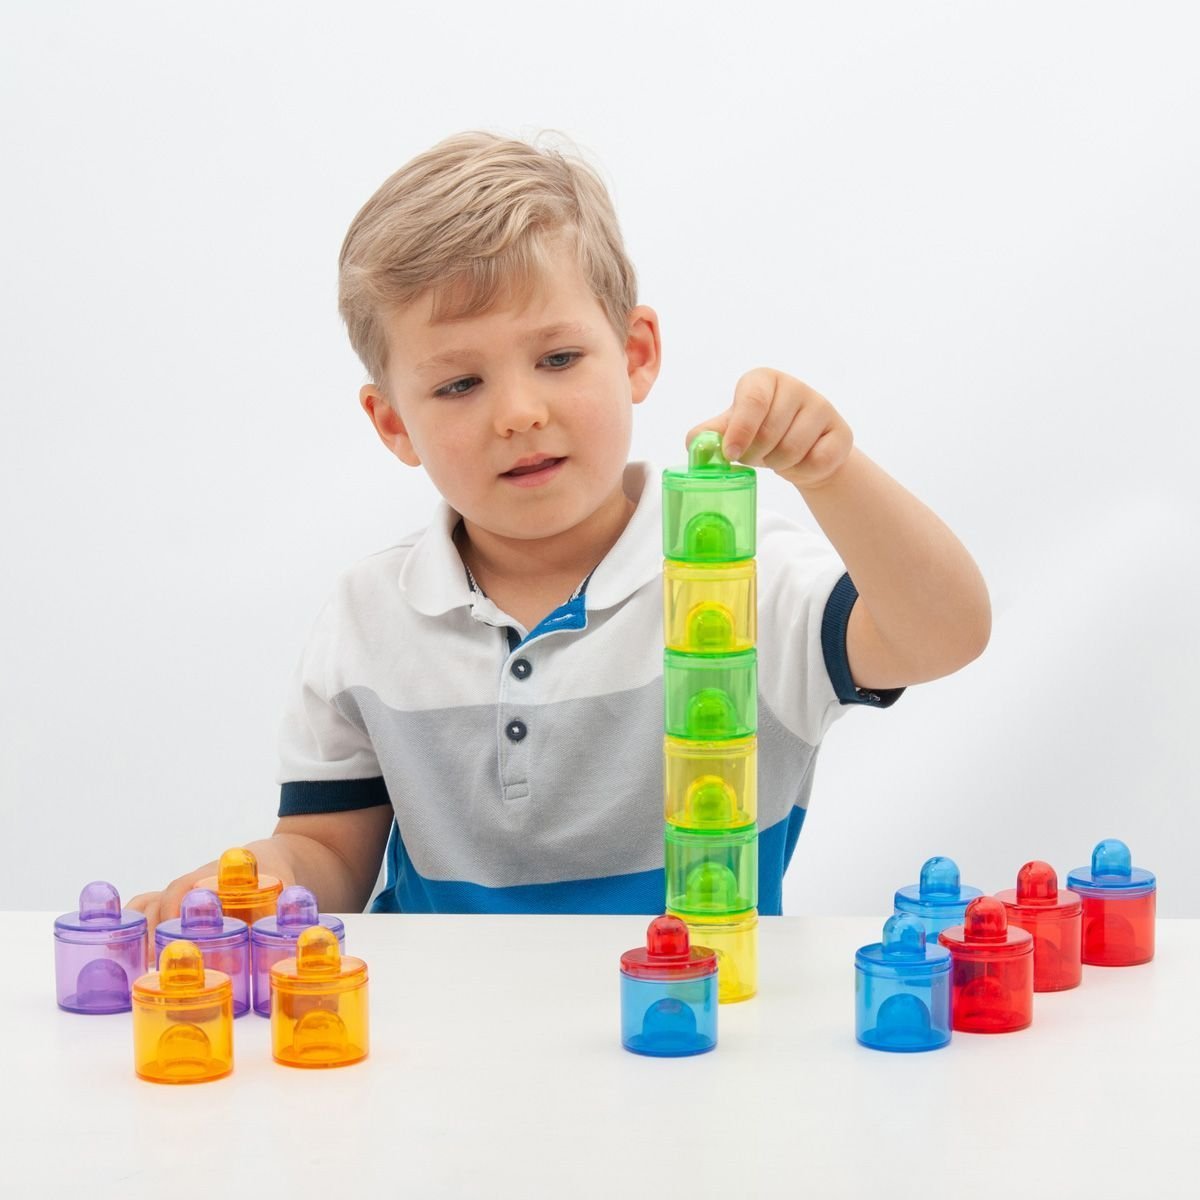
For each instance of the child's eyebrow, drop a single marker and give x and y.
(449, 357)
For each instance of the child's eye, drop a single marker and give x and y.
(569, 355)
(452, 389)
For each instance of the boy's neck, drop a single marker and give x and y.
(501, 563)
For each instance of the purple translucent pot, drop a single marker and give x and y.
(224, 941)
(98, 952)
(273, 939)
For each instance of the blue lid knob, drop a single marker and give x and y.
(903, 937)
(1111, 873)
(939, 877)
(1112, 857)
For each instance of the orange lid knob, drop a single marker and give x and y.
(317, 954)
(181, 968)
(237, 870)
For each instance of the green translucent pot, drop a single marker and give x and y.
(709, 510)
(710, 697)
(711, 872)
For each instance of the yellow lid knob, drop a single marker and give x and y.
(237, 870)
(317, 954)
(181, 968)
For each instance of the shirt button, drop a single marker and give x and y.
(522, 668)
(515, 730)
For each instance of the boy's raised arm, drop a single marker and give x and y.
(923, 608)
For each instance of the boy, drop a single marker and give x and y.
(488, 692)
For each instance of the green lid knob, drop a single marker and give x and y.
(709, 509)
(706, 452)
(710, 801)
(711, 714)
(711, 887)
(709, 537)
(709, 628)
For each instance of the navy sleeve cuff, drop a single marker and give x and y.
(336, 795)
(833, 646)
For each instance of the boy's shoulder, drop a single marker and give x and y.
(380, 567)
(422, 572)
(365, 615)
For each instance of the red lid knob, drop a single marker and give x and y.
(985, 921)
(1037, 884)
(667, 940)
(668, 953)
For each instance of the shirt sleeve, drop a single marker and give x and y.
(834, 623)
(326, 760)
(804, 601)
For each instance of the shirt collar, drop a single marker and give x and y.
(434, 582)
(636, 558)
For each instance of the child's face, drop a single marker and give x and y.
(516, 394)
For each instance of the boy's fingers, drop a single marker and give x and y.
(174, 892)
(151, 923)
(171, 899)
(165, 905)
(716, 424)
(147, 905)
(753, 401)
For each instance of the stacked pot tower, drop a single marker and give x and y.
(710, 692)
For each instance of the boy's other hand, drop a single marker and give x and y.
(778, 422)
(164, 905)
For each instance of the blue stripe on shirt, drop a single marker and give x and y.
(644, 892)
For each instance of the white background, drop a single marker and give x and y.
(972, 227)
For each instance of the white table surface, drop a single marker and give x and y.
(496, 1069)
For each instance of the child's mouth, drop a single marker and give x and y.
(535, 472)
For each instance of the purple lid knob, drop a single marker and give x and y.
(100, 905)
(200, 914)
(296, 910)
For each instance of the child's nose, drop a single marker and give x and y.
(518, 412)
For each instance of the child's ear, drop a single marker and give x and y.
(389, 426)
(643, 351)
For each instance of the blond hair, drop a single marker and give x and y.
(473, 219)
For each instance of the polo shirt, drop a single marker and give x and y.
(524, 767)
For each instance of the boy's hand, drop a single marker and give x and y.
(164, 905)
(778, 422)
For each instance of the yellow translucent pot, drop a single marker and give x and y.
(710, 785)
(735, 942)
(182, 1019)
(319, 1004)
(709, 608)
